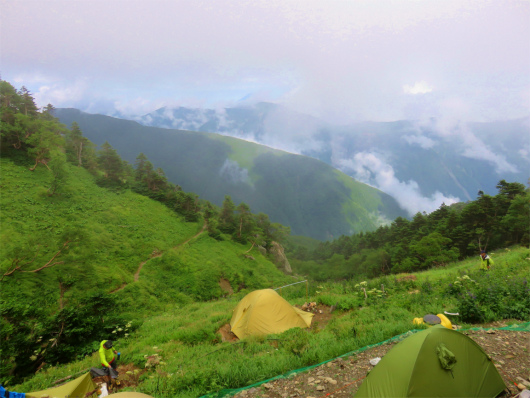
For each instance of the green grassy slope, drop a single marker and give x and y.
(75, 262)
(195, 362)
(111, 235)
(305, 194)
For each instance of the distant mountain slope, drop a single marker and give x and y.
(306, 194)
(418, 163)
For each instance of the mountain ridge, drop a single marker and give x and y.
(429, 160)
(213, 166)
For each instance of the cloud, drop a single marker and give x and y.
(342, 61)
(69, 94)
(370, 168)
(231, 171)
(524, 152)
(421, 140)
(135, 106)
(417, 88)
(292, 132)
(468, 144)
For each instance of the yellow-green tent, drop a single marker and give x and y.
(77, 388)
(436, 362)
(265, 312)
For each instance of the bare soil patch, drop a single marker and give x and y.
(128, 376)
(226, 333)
(323, 314)
(225, 286)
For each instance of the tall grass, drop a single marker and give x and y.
(196, 362)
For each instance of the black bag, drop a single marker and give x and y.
(102, 372)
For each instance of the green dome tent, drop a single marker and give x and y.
(263, 312)
(437, 362)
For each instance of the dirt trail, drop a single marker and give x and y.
(156, 254)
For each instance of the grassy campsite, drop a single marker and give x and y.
(177, 353)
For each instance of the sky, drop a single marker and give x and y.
(341, 61)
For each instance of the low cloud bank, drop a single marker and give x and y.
(370, 168)
(231, 171)
(465, 142)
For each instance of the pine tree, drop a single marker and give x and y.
(227, 221)
(245, 223)
(44, 141)
(27, 104)
(79, 149)
(110, 163)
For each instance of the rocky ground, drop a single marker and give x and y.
(342, 377)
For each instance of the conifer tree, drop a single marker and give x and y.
(245, 223)
(79, 149)
(227, 221)
(110, 163)
(47, 139)
(27, 103)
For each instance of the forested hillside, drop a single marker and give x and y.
(307, 195)
(90, 243)
(446, 235)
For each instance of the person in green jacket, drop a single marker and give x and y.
(485, 261)
(108, 355)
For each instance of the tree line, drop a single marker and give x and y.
(448, 234)
(50, 144)
(427, 240)
(36, 334)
